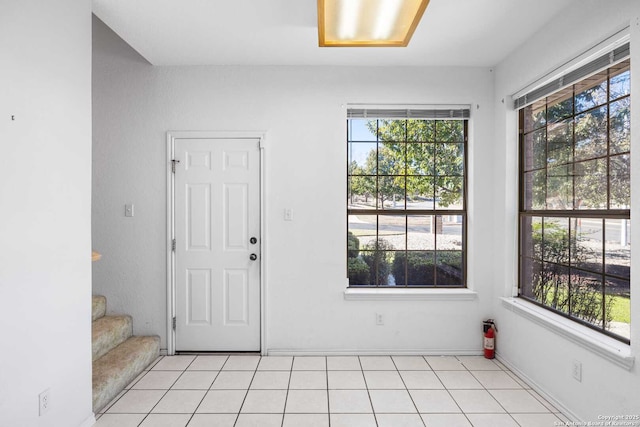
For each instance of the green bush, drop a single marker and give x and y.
(353, 246)
(359, 272)
(450, 269)
(377, 256)
(357, 269)
(420, 268)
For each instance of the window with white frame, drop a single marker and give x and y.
(406, 201)
(575, 195)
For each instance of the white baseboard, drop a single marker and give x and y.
(368, 352)
(91, 420)
(536, 387)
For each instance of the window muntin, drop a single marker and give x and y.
(406, 202)
(575, 201)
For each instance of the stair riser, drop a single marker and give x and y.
(98, 307)
(116, 369)
(108, 332)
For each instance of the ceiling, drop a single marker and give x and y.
(284, 32)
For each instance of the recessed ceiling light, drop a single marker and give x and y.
(368, 22)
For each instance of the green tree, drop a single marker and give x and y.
(429, 152)
(359, 184)
(388, 165)
(577, 172)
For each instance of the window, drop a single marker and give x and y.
(406, 201)
(575, 200)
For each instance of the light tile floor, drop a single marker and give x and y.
(332, 391)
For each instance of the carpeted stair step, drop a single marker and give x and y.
(113, 371)
(98, 307)
(108, 332)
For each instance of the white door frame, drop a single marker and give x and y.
(171, 262)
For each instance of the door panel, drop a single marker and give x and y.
(236, 217)
(199, 217)
(235, 297)
(217, 211)
(199, 297)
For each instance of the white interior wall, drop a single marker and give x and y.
(542, 356)
(301, 108)
(45, 192)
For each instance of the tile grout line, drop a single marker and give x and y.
(207, 390)
(467, 369)
(375, 418)
(146, 415)
(454, 400)
(326, 375)
(407, 389)
(247, 392)
(286, 397)
(494, 398)
(163, 396)
(132, 383)
(488, 392)
(521, 388)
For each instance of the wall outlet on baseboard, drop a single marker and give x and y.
(45, 402)
(576, 370)
(379, 319)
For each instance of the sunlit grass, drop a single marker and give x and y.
(620, 309)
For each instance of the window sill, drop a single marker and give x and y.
(370, 294)
(606, 347)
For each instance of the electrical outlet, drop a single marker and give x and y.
(576, 370)
(379, 319)
(45, 402)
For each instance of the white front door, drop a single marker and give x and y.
(217, 244)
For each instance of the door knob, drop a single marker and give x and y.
(253, 240)
(253, 257)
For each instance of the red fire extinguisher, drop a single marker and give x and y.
(489, 346)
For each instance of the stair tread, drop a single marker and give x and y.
(98, 306)
(121, 365)
(109, 331)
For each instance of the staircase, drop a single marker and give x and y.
(118, 357)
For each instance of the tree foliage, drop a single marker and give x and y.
(577, 146)
(414, 160)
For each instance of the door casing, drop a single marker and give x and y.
(171, 274)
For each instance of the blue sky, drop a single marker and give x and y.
(358, 131)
